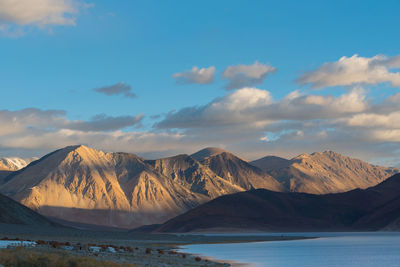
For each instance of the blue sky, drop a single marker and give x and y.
(57, 66)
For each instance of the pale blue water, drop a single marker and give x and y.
(331, 250)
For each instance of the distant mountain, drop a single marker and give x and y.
(322, 173)
(14, 164)
(9, 165)
(81, 184)
(12, 212)
(237, 171)
(271, 163)
(370, 209)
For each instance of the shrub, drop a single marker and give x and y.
(25, 257)
(197, 259)
(54, 244)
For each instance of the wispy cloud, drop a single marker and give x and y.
(16, 122)
(240, 76)
(120, 88)
(196, 75)
(103, 122)
(348, 71)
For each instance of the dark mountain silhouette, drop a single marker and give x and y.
(11, 212)
(370, 209)
(3, 175)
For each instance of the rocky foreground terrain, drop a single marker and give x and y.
(139, 249)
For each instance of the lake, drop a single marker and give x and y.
(329, 250)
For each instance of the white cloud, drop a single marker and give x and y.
(353, 70)
(15, 14)
(13, 122)
(252, 107)
(386, 135)
(372, 120)
(240, 76)
(250, 121)
(196, 75)
(229, 110)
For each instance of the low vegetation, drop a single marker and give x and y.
(21, 257)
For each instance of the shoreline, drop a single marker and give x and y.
(232, 263)
(147, 248)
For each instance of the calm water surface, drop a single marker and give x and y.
(331, 249)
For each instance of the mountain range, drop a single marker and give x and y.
(371, 209)
(323, 173)
(78, 184)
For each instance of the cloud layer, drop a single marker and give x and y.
(196, 75)
(37, 120)
(348, 71)
(248, 121)
(120, 88)
(252, 107)
(240, 76)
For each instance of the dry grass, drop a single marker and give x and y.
(21, 257)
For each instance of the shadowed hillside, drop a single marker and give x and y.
(12, 212)
(370, 209)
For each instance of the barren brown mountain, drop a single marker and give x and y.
(194, 176)
(81, 184)
(236, 170)
(322, 173)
